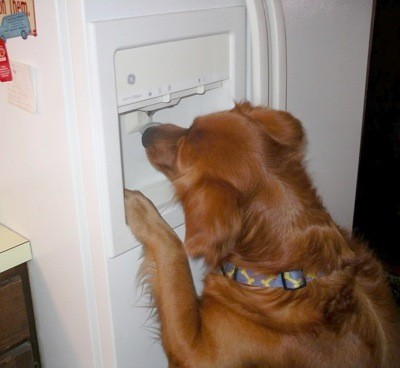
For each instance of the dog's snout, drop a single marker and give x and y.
(146, 136)
(147, 133)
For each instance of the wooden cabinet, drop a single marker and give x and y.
(18, 341)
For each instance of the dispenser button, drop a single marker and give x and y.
(200, 89)
(166, 98)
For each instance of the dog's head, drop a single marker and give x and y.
(224, 166)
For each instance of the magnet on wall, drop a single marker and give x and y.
(15, 25)
(17, 19)
(5, 69)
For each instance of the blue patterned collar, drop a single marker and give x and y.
(289, 280)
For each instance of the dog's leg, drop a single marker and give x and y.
(172, 283)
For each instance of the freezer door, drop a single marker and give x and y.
(267, 56)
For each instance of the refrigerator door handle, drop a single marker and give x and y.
(268, 49)
(259, 52)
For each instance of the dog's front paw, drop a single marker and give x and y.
(142, 216)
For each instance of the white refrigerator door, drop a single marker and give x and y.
(268, 53)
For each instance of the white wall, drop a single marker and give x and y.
(38, 197)
(327, 60)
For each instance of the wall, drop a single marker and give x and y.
(328, 45)
(38, 197)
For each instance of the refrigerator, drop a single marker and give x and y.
(103, 71)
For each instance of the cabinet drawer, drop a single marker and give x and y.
(14, 324)
(20, 357)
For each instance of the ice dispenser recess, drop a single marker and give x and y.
(191, 63)
(153, 77)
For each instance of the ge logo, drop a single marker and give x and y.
(131, 79)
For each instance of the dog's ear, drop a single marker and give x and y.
(213, 220)
(281, 126)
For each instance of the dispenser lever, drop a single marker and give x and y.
(134, 121)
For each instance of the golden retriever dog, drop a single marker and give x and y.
(285, 286)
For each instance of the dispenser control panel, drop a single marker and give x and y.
(153, 73)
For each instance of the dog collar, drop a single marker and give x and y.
(288, 280)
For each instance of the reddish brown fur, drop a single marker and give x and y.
(248, 200)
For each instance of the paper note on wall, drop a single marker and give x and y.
(22, 90)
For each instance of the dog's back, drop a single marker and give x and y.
(251, 209)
